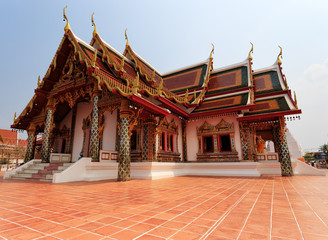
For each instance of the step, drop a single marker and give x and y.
(44, 171)
(32, 171)
(23, 175)
(37, 167)
(38, 176)
(49, 176)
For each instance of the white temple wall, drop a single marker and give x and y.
(192, 140)
(109, 134)
(82, 111)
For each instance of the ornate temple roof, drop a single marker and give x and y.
(192, 91)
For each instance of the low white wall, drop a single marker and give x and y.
(85, 170)
(301, 168)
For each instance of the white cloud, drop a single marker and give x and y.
(312, 96)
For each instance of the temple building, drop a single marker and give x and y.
(95, 102)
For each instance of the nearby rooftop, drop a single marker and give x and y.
(175, 208)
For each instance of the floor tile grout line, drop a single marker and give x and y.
(218, 222)
(82, 224)
(308, 204)
(251, 210)
(191, 208)
(271, 215)
(125, 228)
(299, 228)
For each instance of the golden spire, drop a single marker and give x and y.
(93, 24)
(295, 100)
(212, 52)
(15, 117)
(39, 81)
(251, 51)
(93, 62)
(279, 56)
(126, 37)
(67, 27)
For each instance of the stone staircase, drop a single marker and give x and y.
(41, 171)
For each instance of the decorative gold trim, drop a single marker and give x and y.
(212, 52)
(93, 62)
(39, 82)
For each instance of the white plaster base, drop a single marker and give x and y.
(85, 170)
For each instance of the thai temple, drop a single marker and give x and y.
(105, 113)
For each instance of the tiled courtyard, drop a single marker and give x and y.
(174, 208)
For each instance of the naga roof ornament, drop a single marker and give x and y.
(279, 56)
(39, 82)
(251, 52)
(126, 37)
(212, 52)
(67, 27)
(94, 25)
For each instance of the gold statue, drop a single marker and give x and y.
(260, 145)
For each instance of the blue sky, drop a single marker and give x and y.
(172, 34)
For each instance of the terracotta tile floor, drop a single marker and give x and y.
(184, 208)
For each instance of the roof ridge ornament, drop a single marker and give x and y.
(212, 51)
(295, 100)
(15, 117)
(94, 25)
(39, 82)
(279, 56)
(126, 37)
(67, 27)
(251, 52)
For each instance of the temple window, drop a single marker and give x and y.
(225, 144)
(215, 138)
(208, 144)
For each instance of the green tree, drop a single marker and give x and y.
(324, 148)
(308, 156)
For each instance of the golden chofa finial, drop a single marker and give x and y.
(67, 27)
(39, 81)
(295, 100)
(212, 52)
(94, 25)
(251, 52)
(15, 117)
(126, 37)
(279, 56)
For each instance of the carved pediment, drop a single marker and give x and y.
(206, 128)
(224, 126)
(168, 126)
